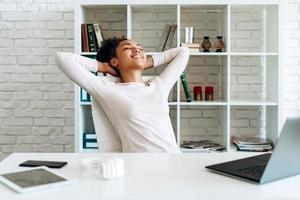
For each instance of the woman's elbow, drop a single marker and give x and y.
(61, 58)
(185, 51)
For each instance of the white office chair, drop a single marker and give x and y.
(108, 140)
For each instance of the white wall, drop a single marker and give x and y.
(36, 100)
(291, 51)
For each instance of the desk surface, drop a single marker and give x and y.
(152, 176)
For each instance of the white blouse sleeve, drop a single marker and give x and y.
(176, 60)
(78, 69)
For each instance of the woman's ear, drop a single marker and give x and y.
(114, 62)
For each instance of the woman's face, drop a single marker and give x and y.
(130, 56)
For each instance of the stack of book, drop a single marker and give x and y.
(203, 145)
(91, 37)
(193, 47)
(255, 144)
(90, 140)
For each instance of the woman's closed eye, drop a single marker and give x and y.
(132, 48)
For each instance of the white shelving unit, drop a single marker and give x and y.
(245, 76)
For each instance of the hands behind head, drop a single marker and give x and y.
(105, 68)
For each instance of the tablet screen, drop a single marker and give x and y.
(31, 178)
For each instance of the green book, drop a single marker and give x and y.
(92, 38)
(185, 87)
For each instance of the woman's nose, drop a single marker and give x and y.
(136, 50)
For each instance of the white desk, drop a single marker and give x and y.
(153, 176)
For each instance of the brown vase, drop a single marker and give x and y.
(219, 44)
(206, 44)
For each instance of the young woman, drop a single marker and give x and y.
(138, 110)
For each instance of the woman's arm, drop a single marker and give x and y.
(78, 69)
(149, 62)
(176, 60)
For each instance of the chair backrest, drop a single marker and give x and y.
(108, 140)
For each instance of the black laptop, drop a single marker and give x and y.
(282, 163)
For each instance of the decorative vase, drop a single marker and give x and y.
(209, 93)
(219, 44)
(197, 93)
(206, 44)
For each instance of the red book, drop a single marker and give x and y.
(84, 37)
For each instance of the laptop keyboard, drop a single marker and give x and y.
(256, 170)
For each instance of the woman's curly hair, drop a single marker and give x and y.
(107, 50)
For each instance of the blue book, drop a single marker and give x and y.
(90, 140)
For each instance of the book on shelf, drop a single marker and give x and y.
(91, 37)
(185, 85)
(256, 144)
(166, 40)
(84, 96)
(254, 149)
(190, 45)
(169, 43)
(84, 38)
(90, 140)
(98, 33)
(207, 145)
(193, 47)
(164, 37)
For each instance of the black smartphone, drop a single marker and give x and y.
(47, 163)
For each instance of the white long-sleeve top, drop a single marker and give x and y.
(139, 112)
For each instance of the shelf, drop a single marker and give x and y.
(184, 150)
(207, 20)
(153, 53)
(88, 53)
(209, 54)
(150, 25)
(254, 28)
(252, 103)
(245, 76)
(254, 78)
(85, 103)
(224, 103)
(206, 4)
(253, 54)
(89, 151)
(204, 103)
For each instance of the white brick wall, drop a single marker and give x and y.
(36, 100)
(291, 51)
(246, 27)
(149, 25)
